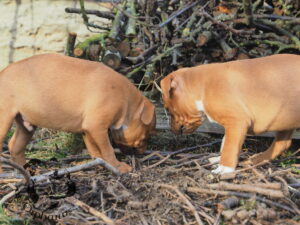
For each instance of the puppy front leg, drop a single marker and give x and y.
(104, 149)
(230, 148)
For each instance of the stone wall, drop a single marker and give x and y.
(30, 27)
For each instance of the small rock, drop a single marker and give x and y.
(215, 159)
(265, 214)
(243, 214)
(228, 214)
(228, 176)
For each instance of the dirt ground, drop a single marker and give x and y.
(164, 188)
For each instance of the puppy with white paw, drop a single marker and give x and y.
(246, 97)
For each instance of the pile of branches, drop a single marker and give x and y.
(147, 39)
(165, 188)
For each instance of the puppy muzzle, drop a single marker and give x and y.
(186, 128)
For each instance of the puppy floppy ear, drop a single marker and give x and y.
(148, 112)
(168, 85)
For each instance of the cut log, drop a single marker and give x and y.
(124, 48)
(81, 47)
(70, 44)
(228, 52)
(93, 52)
(112, 58)
(203, 38)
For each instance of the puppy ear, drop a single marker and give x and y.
(148, 112)
(168, 85)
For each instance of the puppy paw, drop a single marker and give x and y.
(255, 159)
(223, 169)
(214, 159)
(124, 168)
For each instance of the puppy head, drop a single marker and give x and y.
(138, 130)
(185, 118)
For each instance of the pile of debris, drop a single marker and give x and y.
(165, 187)
(148, 39)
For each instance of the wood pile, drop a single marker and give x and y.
(148, 39)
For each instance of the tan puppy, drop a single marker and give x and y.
(75, 95)
(247, 96)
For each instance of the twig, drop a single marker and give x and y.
(225, 26)
(10, 176)
(247, 188)
(285, 186)
(283, 31)
(247, 4)
(103, 14)
(243, 195)
(11, 180)
(8, 196)
(25, 174)
(157, 163)
(143, 55)
(195, 147)
(160, 155)
(177, 13)
(189, 204)
(90, 210)
(251, 167)
(272, 16)
(86, 18)
(74, 169)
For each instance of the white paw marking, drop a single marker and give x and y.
(214, 159)
(223, 169)
(200, 107)
(222, 144)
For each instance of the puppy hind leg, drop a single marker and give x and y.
(19, 140)
(281, 142)
(91, 146)
(6, 121)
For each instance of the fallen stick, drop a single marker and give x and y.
(74, 169)
(228, 203)
(247, 188)
(276, 186)
(157, 163)
(195, 147)
(10, 180)
(243, 195)
(25, 174)
(179, 12)
(90, 210)
(8, 196)
(10, 176)
(103, 14)
(187, 202)
(225, 26)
